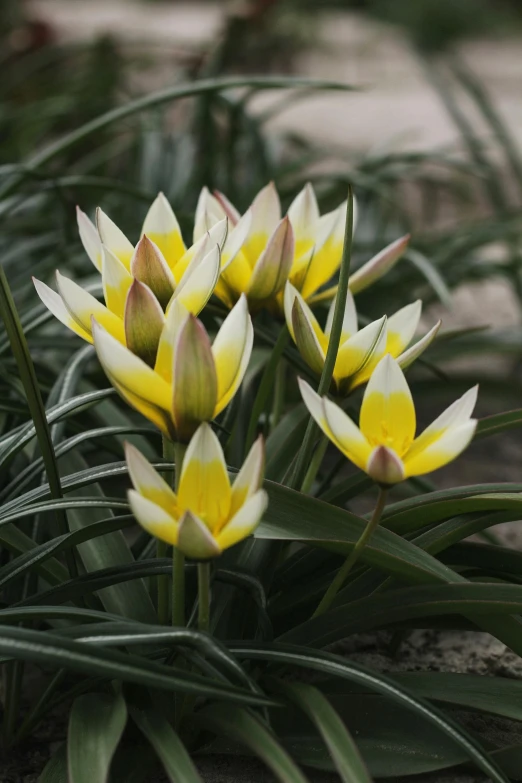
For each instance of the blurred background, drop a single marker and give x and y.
(430, 137)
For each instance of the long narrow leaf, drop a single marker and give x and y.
(96, 724)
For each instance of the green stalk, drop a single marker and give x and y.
(315, 464)
(352, 558)
(178, 558)
(204, 596)
(266, 385)
(278, 404)
(303, 458)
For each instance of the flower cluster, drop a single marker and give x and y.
(162, 361)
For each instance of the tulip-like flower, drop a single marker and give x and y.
(359, 350)
(384, 445)
(191, 380)
(264, 251)
(207, 514)
(154, 274)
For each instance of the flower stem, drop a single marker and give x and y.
(315, 464)
(352, 558)
(303, 457)
(178, 558)
(203, 596)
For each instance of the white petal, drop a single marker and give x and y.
(402, 326)
(244, 522)
(304, 215)
(349, 320)
(148, 481)
(153, 518)
(90, 238)
(232, 349)
(266, 211)
(114, 238)
(56, 306)
(250, 477)
(441, 451)
(208, 212)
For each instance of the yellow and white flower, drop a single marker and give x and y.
(159, 266)
(207, 515)
(191, 380)
(265, 249)
(384, 445)
(359, 350)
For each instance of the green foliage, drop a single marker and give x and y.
(80, 582)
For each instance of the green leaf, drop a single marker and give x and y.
(110, 551)
(168, 746)
(55, 771)
(34, 401)
(429, 509)
(343, 750)
(499, 422)
(37, 554)
(54, 651)
(334, 665)
(15, 440)
(96, 725)
(157, 99)
(496, 695)
(382, 609)
(242, 726)
(292, 516)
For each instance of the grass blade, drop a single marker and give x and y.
(168, 746)
(96, 724)
(242, 726)
(343, 750)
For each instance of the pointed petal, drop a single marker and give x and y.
(266, 210)
(378, 266)
(337, 426)
(288, 305)
(385, 467)
(204, 487)
(443, 450)
(458, 413)
(402, 326)
(144, 321)
(359, 350)
(116, 282)
(418, 348)
(236, 271)
(266, 214)
(54, 303)
(208, 212)
(304, 217)
(174, 320)
(230, 210)
(200, 249)
(306, 336)
(231, 351)
(82, 306)
(114, 238)
(195, 539)
(236, 239)
(244, 522)
(129, 371)
(250, 477)
(198, 283)
(195, 382)
(153, 518)
(273, 266)
(162, 228)
(148, 482)
(328, 251)
(149, 267)
(387, 412)
(90, 238)
(350, 325)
